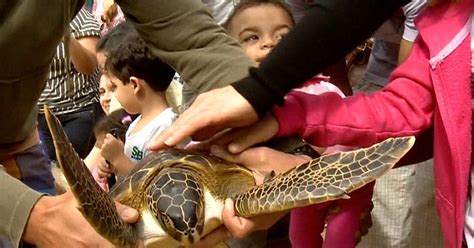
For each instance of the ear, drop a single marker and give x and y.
(136, 83)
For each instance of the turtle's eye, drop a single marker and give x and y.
(176, 200)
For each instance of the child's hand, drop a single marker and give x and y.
(261, 160)
(104, 169)
(112, 148)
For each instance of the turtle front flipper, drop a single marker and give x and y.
(323, 179)
(94, 204)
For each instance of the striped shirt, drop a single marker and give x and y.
(65, 96)
(411, 10)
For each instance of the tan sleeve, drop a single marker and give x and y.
(16, 202)
(184, 34)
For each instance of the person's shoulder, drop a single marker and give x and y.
(162, 119)
(166, 116)
(84, 24)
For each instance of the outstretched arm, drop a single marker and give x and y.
(184, 35)
(330, 30)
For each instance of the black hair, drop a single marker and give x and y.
(116, 122)
(115, 37)
(245, 4)
(134, 58)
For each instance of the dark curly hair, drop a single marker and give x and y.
(134, 58)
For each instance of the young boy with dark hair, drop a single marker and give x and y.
(139, 80)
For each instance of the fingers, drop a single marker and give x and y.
(212, 239)
(181, 129)
(223, 138)
(103, 174)
(220, 152)
(210, 113)
(237, 226)
(260, 132)
(251, 158)
(203, 146)
(240, 227)
(128, 214)
(104, 169)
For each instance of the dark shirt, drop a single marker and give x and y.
(327, 33)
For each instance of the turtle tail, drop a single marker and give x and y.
(323, 179)
(94, 204)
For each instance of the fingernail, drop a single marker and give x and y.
(128, 213)
(169, 141)
(233, 148)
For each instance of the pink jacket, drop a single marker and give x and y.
(431, 88)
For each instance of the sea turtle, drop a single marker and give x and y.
(180, 194)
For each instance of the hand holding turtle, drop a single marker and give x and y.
(184, 171)
(260, 161)
(237, 227)
(55, 221)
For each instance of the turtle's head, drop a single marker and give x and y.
(175, 198)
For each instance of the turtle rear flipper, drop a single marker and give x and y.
(323, 179)
(94, 204)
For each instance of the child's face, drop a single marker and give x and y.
(105, 93)
(125, 94)
(258, 29)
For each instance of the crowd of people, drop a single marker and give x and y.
(127, 78)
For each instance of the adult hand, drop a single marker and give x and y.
(239, 139)
(55, 221)
(237, 227)
(261, 160)
(210, 113)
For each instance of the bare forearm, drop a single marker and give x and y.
(184, 34)
(93, 158)
(82, 54)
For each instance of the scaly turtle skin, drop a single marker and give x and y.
(180, 194)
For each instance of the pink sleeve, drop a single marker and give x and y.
(318, 85)
(101, 181)
(404, 107)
